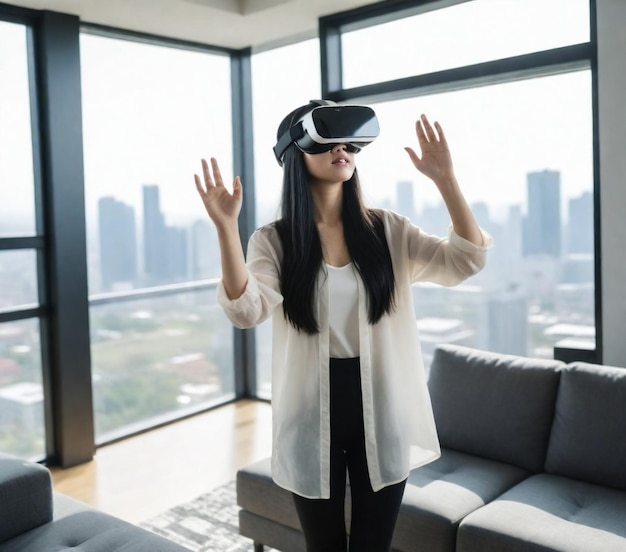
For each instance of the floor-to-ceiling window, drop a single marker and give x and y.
(521, 134)
(282, 79)
(532, 191)
(160, 345)
(511, 83)
(22, 424)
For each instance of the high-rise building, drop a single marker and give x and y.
(118, 243)
(542, 228)
(154, 236)
(435, 219)
(405, 204)
(164, 247)
(580, 224)
(481, 213)
(176, 254)
(508, 326)
(204, 251)
(505, 264)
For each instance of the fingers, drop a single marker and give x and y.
(199, 185)
(439, 130)
(426, 130)
(208, 179)
(419, 129)
(214, 181)
(413, 156)
(426, 133)
(237, 191)
(216, 172)
(207, 174)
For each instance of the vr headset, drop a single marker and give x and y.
(329, 124)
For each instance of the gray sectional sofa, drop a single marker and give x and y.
(34, 518)
(533, 459)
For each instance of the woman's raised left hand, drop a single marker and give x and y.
(436, 161)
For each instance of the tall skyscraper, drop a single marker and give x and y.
(118, 243)
(542, 228)
(154, 236)
(164, 247)
(580, 224)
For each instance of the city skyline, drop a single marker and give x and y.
(153, 252)
(174, 253)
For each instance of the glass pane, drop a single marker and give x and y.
(18, 279)
(464, 34)
(155, 359)
(17, 196)
(149, 114)
(528, 173)
(272, 99)
(22, 428)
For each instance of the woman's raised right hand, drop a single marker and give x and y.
(222, 206)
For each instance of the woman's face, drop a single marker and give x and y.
(334, 166)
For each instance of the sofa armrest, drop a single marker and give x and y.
(25, 496)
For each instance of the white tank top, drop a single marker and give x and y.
(343, 311)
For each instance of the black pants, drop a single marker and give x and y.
(374, 514)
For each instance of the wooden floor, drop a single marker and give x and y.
(140, 477)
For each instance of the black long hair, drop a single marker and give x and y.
(302, 249)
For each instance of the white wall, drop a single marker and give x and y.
(611, 18)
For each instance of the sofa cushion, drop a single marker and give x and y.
(493, 405)
(257, 493)
(588, 439)
(436, 498)
(548, 513)
(270, 533)
(89, 531)
(440, 494)
(25, 496)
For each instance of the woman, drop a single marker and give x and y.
(349, 394)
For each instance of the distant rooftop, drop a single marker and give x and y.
(439, 325)
(26, 393)
(571, 330)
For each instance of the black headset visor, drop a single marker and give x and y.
(324, 126)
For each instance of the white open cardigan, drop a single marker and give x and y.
(400, 430)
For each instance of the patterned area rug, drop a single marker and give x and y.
(207, 523)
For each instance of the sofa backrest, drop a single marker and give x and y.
(25, 496)
(494, 405)
(588, 439)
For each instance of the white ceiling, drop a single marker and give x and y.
(228, 23)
